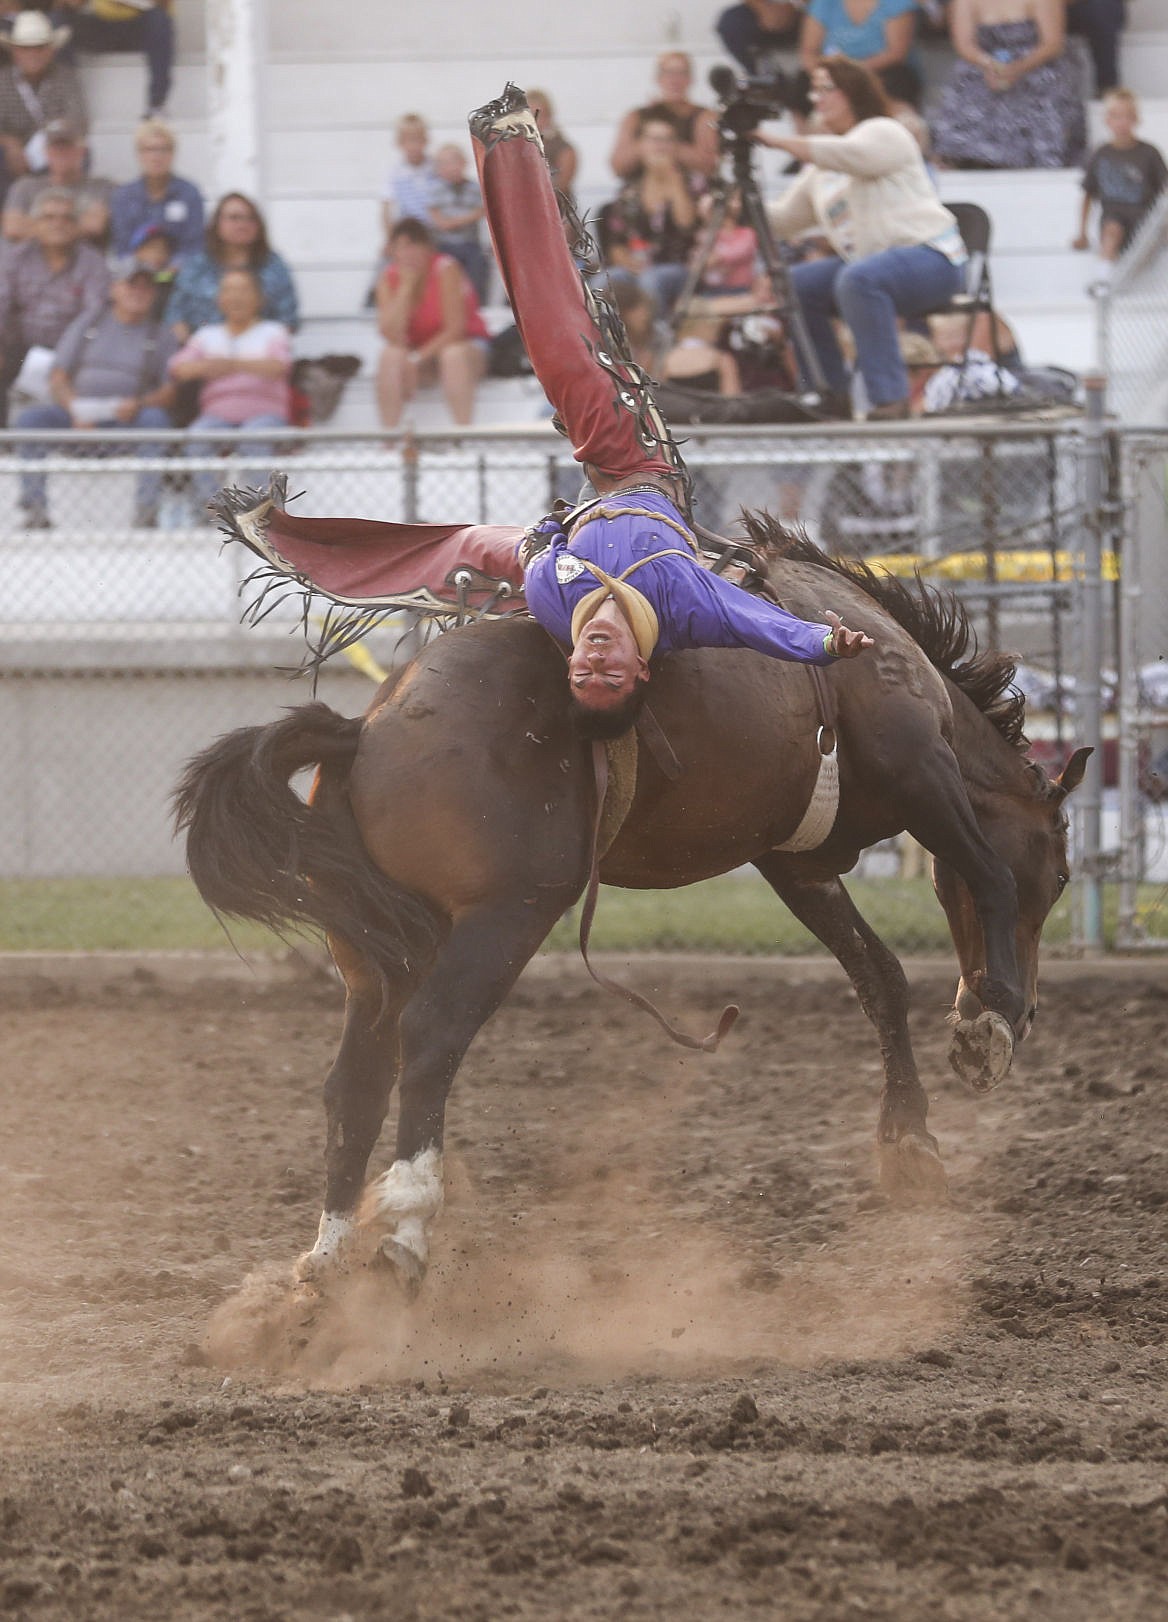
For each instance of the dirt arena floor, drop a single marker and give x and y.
(675, 1358)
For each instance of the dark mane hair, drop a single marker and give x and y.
(936, 621)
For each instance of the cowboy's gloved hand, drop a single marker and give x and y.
(538, 536)
(843, 643)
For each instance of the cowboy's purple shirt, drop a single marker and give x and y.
(696, 608)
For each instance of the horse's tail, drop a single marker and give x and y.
(256, 850)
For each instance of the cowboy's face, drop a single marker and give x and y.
(605, 665)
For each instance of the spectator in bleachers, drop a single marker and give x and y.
(45, 283)
(407, 191)
(697, 359)
(895, 250)
(65, 155)
(242, 365)
(732, 256)
(109, 371)
(1012, 100)
(694, 127)
(880, 34)
(429, 316)
(456, 212)
(1124, 177)
(755, 31)
(561, 155)
(236, 239)
(36, 88)
(117, 25)
(153, 248)
(158, 196)
(1100, 23)
(648, 337)
(647, 233)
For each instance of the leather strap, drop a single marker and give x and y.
(658, 745)
(705, 1044)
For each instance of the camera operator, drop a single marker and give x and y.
(896, 250)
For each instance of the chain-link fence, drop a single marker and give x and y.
(1132, 322)
(122, 652)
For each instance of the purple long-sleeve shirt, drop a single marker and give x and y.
(695, 608)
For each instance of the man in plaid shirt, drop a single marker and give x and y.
(45, 284)
(35, 89)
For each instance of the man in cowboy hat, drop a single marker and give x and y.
(36, 88)
(578, 579)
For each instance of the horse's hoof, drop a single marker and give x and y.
(315, 1268)
(406, 1268)
(912, 1171)
(983, 1050)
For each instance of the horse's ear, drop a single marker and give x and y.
(1072, 773)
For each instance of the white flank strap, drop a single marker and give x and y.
(821, 809)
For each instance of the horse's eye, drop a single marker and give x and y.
(1063, 880)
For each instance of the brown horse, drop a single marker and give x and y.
(451, 827)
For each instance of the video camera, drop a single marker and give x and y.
(747, 102)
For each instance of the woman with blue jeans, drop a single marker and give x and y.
(894, 250)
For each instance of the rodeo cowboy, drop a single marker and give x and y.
(620, 579)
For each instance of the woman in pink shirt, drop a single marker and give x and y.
(243, 365)
(430, 319)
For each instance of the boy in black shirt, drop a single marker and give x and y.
(1124, 176)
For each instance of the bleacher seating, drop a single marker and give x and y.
(331, 96)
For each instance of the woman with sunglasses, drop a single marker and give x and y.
(236, 239)
(894, 249)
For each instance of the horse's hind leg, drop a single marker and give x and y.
(910, 1161)
(480, 962)
(356, 1097)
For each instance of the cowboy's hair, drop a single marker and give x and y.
(614, 723)
(260, 250)
(863, 90)
(53, 194)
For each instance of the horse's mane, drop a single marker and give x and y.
(936, 621)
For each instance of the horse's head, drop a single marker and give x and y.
(1029, 831)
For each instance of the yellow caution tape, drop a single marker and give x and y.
(1011, 568)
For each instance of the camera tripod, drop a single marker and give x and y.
(786, 305)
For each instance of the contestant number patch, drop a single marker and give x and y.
(568, 568)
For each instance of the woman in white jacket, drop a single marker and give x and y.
(895, 249)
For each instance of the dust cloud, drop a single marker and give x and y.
(610, 1290)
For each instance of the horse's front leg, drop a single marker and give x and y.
(483, 957)
(978, 892)
(910, 1161)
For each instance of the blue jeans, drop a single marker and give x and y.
(1101, 23)
(206, 485)
(89, 443)
(152, 33)
(870, 294)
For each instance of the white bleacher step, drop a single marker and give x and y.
(1143, 60)
(115, 88)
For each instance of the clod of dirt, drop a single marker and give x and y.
(416, 1483)
(744, 1410)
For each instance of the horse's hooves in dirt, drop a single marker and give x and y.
(982, 1050)
(912, 1171)
(402, 1263)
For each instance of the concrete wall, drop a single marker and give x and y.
(94, 746)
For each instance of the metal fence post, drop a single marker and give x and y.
(1088, 803)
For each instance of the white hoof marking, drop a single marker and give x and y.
(331, 1238)
(407, 1199)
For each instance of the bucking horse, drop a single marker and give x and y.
(452, 825)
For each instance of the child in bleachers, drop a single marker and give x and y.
(1124, 176)
(456, 210)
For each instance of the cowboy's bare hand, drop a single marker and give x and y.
(846, 644)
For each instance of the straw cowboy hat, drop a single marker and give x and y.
(32, 29)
